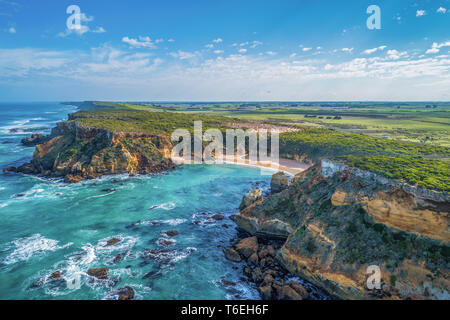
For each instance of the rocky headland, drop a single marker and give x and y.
(77, 152)
(335, 221)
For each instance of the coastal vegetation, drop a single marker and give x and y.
(422, 164)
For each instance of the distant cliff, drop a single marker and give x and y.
(339, 220)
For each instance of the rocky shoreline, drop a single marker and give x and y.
(333, 222)
(273, 281)
(262, 268)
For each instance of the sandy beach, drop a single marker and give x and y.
(290, 167)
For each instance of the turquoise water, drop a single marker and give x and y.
(49, 226)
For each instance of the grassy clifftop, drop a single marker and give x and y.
(126, 119)
(422, 165)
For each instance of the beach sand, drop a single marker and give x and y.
(290, 167)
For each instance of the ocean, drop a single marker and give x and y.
(48, 225)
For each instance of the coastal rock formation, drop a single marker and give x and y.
(232, 255)
(112, 242)
(125, 293)
(263, 270)
(337, 221)
(77, 152)
(99, 273)
(34, 140)
(280, 182)
(250, 198)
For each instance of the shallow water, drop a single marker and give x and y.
(49, 226)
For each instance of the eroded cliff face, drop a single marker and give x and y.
(337, 221)
(77, 152)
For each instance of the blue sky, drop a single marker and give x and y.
(224, 50)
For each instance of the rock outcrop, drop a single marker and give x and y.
(77, 152)
(280, 182)
(337, 221)
(99, 273)
(263, 270)
(34, 140)
(250, 198)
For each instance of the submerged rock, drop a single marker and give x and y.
(118, 258)
(218, 217)
(55, 275)
(112, 242)
(228, 283)
(171, 233)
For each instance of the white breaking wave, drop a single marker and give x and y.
(25, 248)
(171, 222)
(165, 206)
(3, 205)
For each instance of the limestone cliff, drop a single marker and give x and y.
(338, 220)
(77, 152)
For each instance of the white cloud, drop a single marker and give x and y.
(441, 10)
(271, 53)
(218, 51)
(109, 73)
(370, 51)
(170, 40)
(141, 42)
(218, 40)
(12, 30)
(209, 46)
(243, 44)
(420, 13)
(435, 48)
(99, 30)
(306, 49)
(255, 44)
(349, 50)
(159, 40)
(395, 55)
(293, 55)
(242, 50)
(183, 55)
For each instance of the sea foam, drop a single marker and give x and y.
(25, 248)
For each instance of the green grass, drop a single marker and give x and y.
(426, 173)
(423, 166)
(153, 123)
